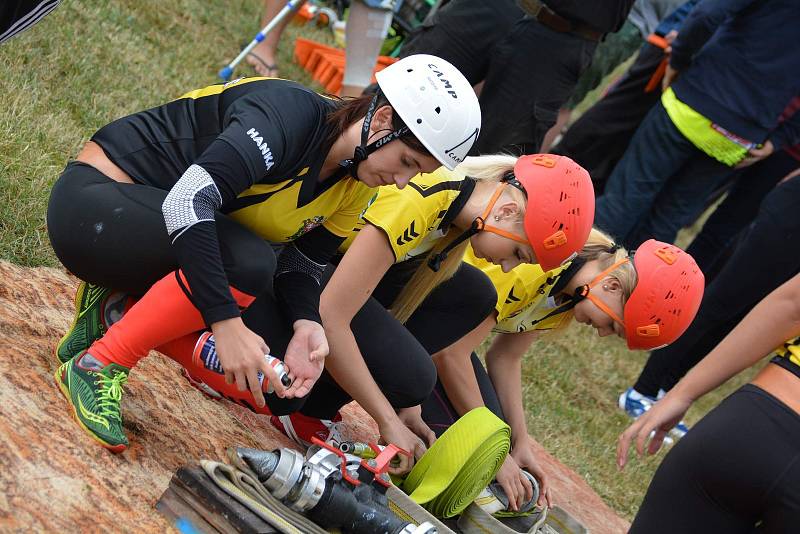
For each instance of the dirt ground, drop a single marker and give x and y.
(54, 478)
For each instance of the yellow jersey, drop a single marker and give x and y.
(276, 213)
(412, 218)
(523, 295)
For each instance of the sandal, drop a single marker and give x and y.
(263, 68)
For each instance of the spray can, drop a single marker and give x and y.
(205, 353)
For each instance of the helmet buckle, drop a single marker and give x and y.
(666, 255)
(650, 330)
(544, 160)
(555, 240)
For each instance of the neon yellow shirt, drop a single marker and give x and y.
(705, 135)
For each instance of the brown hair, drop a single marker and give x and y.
(351, 110)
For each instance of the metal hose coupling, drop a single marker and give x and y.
(331, 488)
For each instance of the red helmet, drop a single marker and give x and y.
(668, 292)
(560, 210)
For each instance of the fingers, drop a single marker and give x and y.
(320, 352)
(419, 450)
(527, 488)
(641, 439)
(255, 387)
(656, 441)
(271, 375)
(241, 380)
(624, 444)
(546, 498)
(402, 466)
(430, 436)
(300, 388)
(510, 491)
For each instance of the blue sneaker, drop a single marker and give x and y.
(635, 404)
(679, 430)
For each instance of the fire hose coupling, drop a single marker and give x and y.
(356, 448)
(325, 489)
(205, 352)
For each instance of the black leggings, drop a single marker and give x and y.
(739, 467)
(740, 207)
(765, 257)
(113, 234)
(438, 411)
(397, 355)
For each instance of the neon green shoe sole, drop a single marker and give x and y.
(94, 397)
(87, 327)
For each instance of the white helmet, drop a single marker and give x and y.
(436, 102)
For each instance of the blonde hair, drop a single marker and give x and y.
(489, 168)
(597, 248)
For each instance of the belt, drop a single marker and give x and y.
(556, 22)
(658, 74)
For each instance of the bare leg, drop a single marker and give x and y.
(365, 31)
(264, 55)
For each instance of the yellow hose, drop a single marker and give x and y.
(460, 464)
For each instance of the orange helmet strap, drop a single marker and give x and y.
(493, 229)
(478, 225)
(585, 291)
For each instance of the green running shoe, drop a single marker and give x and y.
(94, 393)
(88, 324)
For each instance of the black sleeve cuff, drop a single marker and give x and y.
(298, 294)
(220, 313)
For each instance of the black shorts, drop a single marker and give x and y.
(736, 471)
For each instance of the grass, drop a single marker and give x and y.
(89, 63)
(92, 61)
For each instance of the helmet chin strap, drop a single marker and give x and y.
(350, 166)
(584, 291)
(479, 225)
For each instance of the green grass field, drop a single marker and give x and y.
(92, 61)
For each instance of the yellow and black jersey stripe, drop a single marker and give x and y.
(412, 217)
(788, 356)
(524, 300)
(274, 212)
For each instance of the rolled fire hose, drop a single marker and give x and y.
(251, 494)
(460, 464)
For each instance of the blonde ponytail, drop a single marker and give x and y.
(424, 280)
(490, 168)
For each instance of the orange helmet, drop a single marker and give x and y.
(668, 292)
(560, 209)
